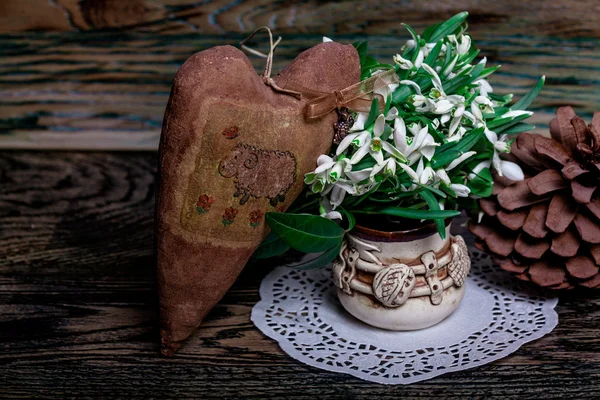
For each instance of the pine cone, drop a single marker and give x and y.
(546, 228)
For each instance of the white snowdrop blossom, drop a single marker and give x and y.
(460, 189)
(373, 144)
(326, 210)
(403, 62)
(460, 159)
(421, 144)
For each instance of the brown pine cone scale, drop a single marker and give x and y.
(546, 228)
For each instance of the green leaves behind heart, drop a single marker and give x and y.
(313, 234)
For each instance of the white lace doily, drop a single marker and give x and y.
(300, 310)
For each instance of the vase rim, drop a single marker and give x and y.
(407, 235)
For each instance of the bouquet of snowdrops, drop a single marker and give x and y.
(425, 154)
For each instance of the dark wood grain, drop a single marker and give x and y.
(78, 307)
(546, 17)
(96, 74)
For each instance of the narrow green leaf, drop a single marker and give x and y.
(429, 31)
(445, 158)
(435, 206)
(476, 72)
(458, 82)
(433, 190)
(448, 27)
(349, 217)
(488, 71)
(518, 128)
(373, 113)
(410, 213)
(504, 123)
(305, 232)
(434, 53)
(526, 100)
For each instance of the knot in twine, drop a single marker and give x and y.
(356, 97)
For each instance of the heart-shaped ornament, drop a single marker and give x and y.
(232, 149)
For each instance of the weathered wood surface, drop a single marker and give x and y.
(78, 307)
(96, 74)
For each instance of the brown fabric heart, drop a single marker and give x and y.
(232, 149)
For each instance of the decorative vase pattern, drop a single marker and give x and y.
(403, 284)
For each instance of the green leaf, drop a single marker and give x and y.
(314, 261)
(448, 27)
(454, 84)
(373, 113)
(448, 154)
(488, 71)
(429, 31)
(503, 123)
(350, 217)
(270, 247)
(361, 48)
(415, 37)
(410, 213)
(435, 206)
(433, 190)
(476, 72)
(445, 158)
(519, 128)
(434, 53)
(483, 183)
(305, 232)
(388, 104)
(530, 96)
(470, 56)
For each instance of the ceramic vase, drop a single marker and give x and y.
(401, 280)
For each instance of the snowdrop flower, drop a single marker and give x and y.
(374, 145)
(462, 44)
(457, 115)
(422, 144)
(500, 146)
(403, 62)
(359, 122)
(442, 175)
(423, 175)
(484, 87)
(421, 103)
(359, 176)
(388, 167)
(338, 193)
(460, 159)
(332, 168)
(443, 104)
(326, 210)
(460, 190)
(511, 171)
(480, 105)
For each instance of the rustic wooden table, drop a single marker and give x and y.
(78, 302)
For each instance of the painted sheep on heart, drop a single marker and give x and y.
(259, 173)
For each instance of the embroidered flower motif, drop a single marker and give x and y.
(203, 204)
(231, 132)
(256, 217)
(229, 216)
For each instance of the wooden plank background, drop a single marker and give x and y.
(96, 74)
